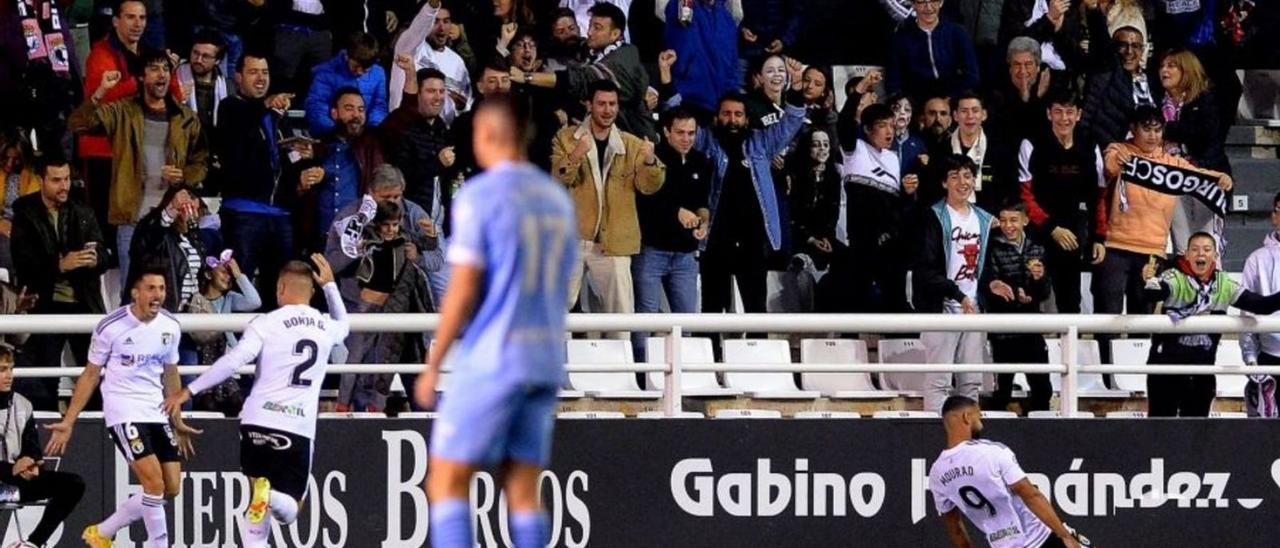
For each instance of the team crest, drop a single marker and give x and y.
(166, 338)
(137, 446)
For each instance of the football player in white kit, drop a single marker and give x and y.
(134, 351)
(278, 423)
(982, 480)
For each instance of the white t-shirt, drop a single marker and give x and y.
(962, 263)
(133, 355)
(975, 477)
(457, 79)
(292, 344)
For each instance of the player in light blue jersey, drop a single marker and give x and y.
(503, 316)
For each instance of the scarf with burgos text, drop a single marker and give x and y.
(1173, 180)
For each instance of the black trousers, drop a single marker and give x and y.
(1064, 268)
(740, 258)
(1117, 279)
(45, 350)
(62, 489)
(1028, 348)
(875, 225)
(1180, 395)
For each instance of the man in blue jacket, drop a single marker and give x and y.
(931, 55)
(706, 53)
(745, 224)
(353, 67)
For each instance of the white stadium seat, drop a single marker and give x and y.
(748, 414)
(999, 415)
(353, 415)
(1228, 415)
(612, 385)
(693, 350)
(744, 353)
(1055, 414)
(1126, 414)
(1090, 384)
(905, 415)
(202, 415)
(839, 385)
(591, 415)
(1130, 352)
(828, 415)
(417, 415)
(902, 351)
(1230, 386)
(662, 415)
(90, 415)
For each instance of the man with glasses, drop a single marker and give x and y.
(1117, 82)
(201, 79)
(931, 55)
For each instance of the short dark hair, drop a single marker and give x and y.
(244, 59)
(428, 73)
(515, 111)
(1014, 205)
(598, 86)
(498, 63)
(957, 403)
(148, 269)
(389, 210)
(363, 49)
(150, 56)
(117, 5)
(677, 113)
(613, 13)
(211, 37)
(965, 95)
(874, 114)
(48, 160)
(1276, 201)
(343, 92)
(733, 96)
(1146, 115)
(1203, 234)
(6, 354)
(561, 13)
(1062, 97)
(955, 162)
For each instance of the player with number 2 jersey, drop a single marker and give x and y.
(278, 423)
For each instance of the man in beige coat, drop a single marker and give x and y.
(603, 167)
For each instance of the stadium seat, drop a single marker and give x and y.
(744, 353)
(591, 415)
(1126, 414)
(353, 415)
(202, 415)
(999, 415)
(1056, 414)
(748, 414)
(90, 415)
(48, 415)
(692, 350)
(1090, 384)
(1228, 415)
(612, 385)
(902, 351)
(905, 415)
(1230, 386)
(662, 415)
(417, 415)
(839, 385)
(828, 415)
(1130, 352)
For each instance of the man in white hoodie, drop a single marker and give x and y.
(1262, 276)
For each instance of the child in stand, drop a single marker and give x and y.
(1015, 282)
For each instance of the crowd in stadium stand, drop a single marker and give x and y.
(828, 146)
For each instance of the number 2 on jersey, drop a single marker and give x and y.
(308, 348)
(535, 230)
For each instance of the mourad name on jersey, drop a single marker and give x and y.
(957, 472)
(303, 321)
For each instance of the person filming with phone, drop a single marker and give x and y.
(56, 248)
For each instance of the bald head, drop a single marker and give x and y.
(501, 131)
(295, 284)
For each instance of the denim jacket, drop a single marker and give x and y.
(761, 146)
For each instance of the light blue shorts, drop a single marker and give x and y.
(485, 423)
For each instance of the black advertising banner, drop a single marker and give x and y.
(638, 482)
(1177, 181)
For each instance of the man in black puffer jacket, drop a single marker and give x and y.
(1116, 82)
(1014, 282)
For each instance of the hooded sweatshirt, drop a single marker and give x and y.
(1262, 276)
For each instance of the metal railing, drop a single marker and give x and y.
(675, 326)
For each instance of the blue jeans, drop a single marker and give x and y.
(654, 271)
(261, 243)
(124, 237)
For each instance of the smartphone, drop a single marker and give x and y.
(91, 246)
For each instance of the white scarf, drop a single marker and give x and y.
(878, 170)
(599, 56)
(219, 89)
(977, 153)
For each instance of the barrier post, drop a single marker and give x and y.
(1070, 380)
(671, 398)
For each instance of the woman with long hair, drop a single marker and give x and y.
(1193, 131)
